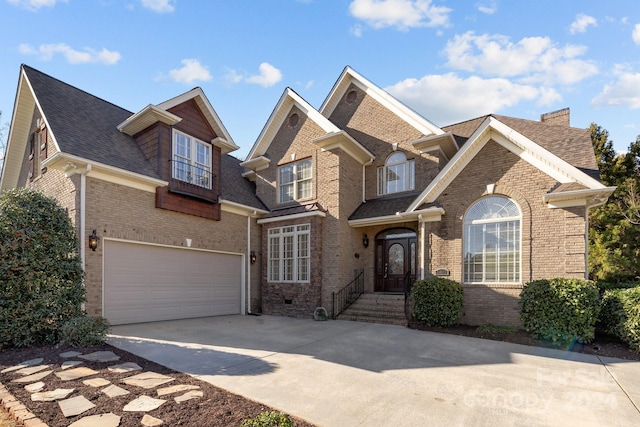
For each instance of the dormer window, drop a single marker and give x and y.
(294, 181)
(396, 175)
(191, 160)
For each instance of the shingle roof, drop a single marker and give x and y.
(573, 145)
(297, 209)
(234, 187)
(383, 206)
(85, 125)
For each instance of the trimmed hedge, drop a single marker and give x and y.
(269, 419)
(84, 331)
(40, 269)
(620, 315)
(560, 310)
(437, 301)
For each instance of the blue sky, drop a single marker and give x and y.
(448, 60)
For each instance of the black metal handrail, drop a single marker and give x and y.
(193, 174)
(407, 284)
(346, 296)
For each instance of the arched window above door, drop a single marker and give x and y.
(396, 175)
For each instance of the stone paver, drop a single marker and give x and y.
(149, 421)
(143, 404)
(74, 374)
(75, 406)
(176, 388)
(148, 380)
(35, 387)
(193, 394)
(69, 354)
(114, 391)
(125, 367)
(50, 396)
(101, 356)
(32, 378)
(32, 369)
(101, 420)
(24, 364)
(96, 382)
(70, 364)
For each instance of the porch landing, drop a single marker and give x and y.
(377, 308)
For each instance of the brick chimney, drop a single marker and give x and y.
(560, 117)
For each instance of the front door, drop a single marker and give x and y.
(395, 257)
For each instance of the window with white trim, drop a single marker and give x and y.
(294, 181)
(396, 175)
(492, 241)
(191, 160)
(288, 253)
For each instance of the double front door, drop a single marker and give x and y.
(396, 257)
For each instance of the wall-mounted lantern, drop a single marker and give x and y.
(252, 257)
(93, 241)
(365, 241)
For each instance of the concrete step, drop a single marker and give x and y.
(377, 308)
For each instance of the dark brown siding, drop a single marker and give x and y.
(193, 121)
(186, 205)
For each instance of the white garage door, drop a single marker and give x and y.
(145, 283)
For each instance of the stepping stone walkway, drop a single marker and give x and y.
(32, 378)
(149, 421)
(114, 391)
(101, 356)
(148, 380)
(75, 406)
(74, 374)
(96, 382)
(50, 396)
(176, 388)
(143, 404)
(193, 394)
(102, 420)
(24, 364)
(125, 367)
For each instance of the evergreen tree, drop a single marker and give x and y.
(614, 234)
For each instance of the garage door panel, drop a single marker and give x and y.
(144, 283)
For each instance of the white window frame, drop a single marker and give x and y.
(501, 223)
(289, 254)
(190, 161)
(298, 184)
(395, 164)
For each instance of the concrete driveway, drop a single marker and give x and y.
(340, 373)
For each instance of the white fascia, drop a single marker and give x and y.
(587, 197)
(433, 214)
(292, 217)
(240, 209)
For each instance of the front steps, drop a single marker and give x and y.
(377, 308)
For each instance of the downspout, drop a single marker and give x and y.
(422, 228)
(586, 243)
(83, 218)
(249, 262)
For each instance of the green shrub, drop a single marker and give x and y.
(437, 301)
(605, 286)
(84, 331)
(620, 315)
(560, 310)
(269, 419)
(40, 269)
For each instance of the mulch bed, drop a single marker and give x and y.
(216, 408)
(602, 345)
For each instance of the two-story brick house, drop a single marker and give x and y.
(175, 220)
(365, 183)
(362, 184)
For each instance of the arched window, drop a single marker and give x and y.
(396, 175)
(492, 241)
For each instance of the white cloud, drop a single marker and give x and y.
(401, 14)
(439, 99)
(356, 30)
(532, 59)
(86, 56)
(159, 6)
(624, 92)
(636, 34)
(489, 8)
(581, 23)
(35, 5)
(191, 71)
(269, 75)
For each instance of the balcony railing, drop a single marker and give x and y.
(192, 180)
